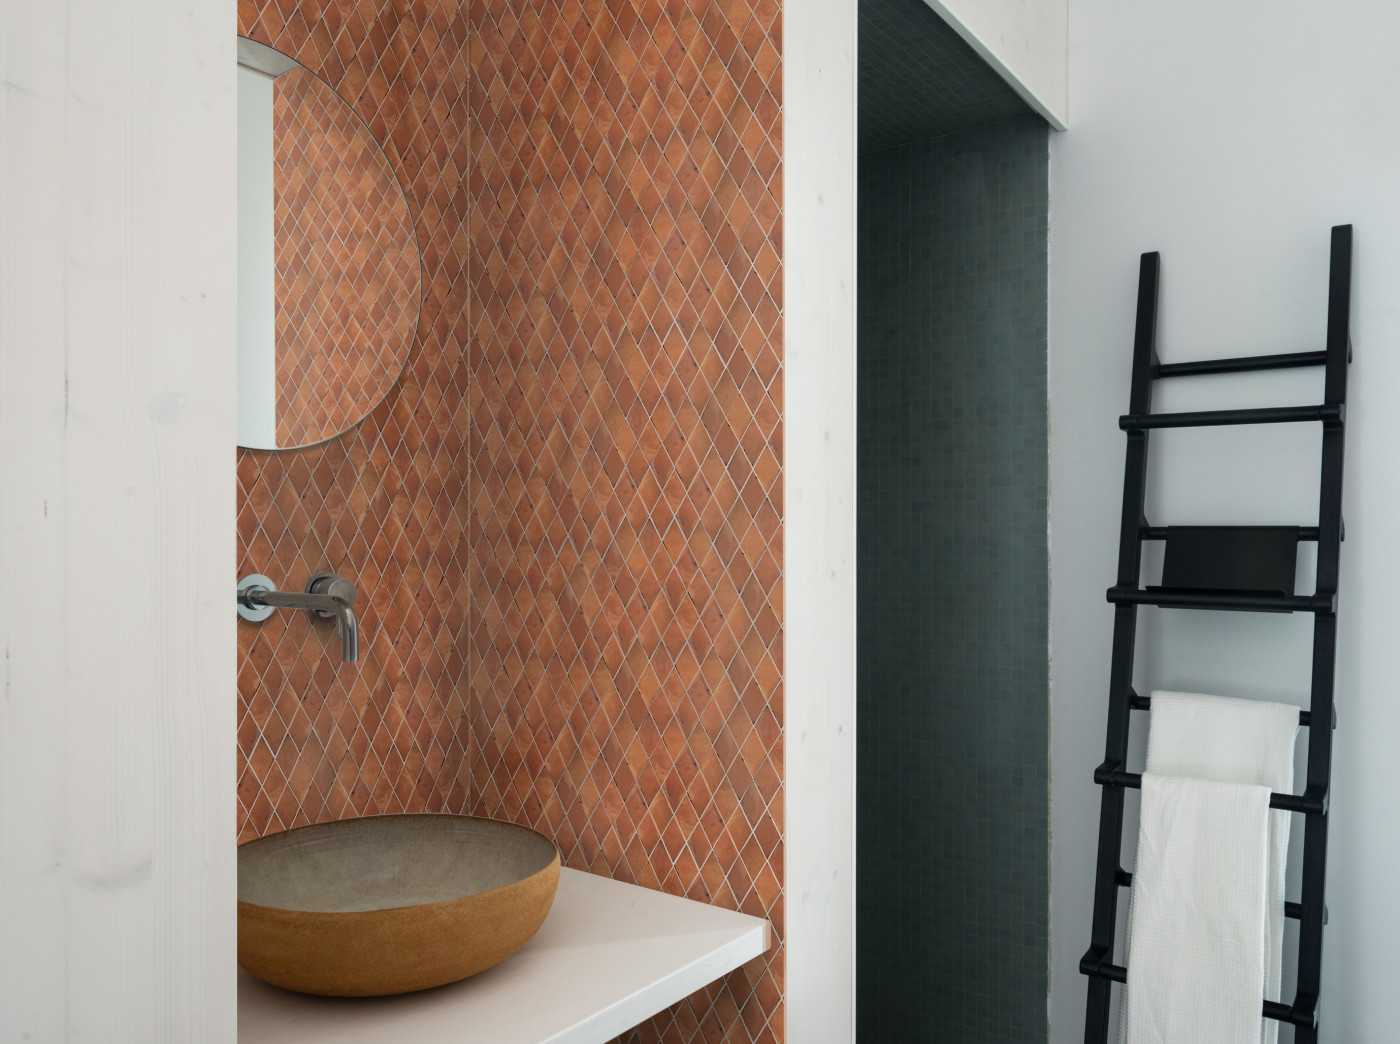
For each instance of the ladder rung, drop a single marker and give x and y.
(1094, 965)
(1243, 364)
(1312, 802)
(1241, 601)
(1144, 703)
(1233, 571)
(1160, 532)
(1327, 413)
(1290, 910)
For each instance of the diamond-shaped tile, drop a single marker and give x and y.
(346, 265)
(625, 357)
(323, 749)
(588, 602)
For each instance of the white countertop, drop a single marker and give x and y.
(610, 955)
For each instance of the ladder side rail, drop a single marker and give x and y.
(1319, 772)
(1124, 639)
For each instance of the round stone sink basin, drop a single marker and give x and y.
(390, 904)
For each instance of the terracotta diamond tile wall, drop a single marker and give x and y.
(626, 656)
(614, 536)
(386, 503)
(347, 272)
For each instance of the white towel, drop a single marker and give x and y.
(1197, 970)
(1230, 741)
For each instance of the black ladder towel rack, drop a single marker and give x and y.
(1258, 577)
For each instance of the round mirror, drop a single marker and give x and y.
(329, 284)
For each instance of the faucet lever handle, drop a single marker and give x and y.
(336, 587)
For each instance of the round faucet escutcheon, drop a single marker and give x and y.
(248, 611)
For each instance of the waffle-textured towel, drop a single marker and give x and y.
(1225, 740)
(1197, 970)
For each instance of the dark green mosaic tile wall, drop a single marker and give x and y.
(953, 714)
(919, 79)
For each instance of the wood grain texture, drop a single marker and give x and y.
(117, 254)
(820, 525)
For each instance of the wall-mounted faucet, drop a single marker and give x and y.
(326, 595)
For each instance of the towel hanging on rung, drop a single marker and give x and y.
(1224, 740)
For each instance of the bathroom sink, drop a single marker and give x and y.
(390, 904)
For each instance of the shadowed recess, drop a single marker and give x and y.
(919, 79)
(952, 702)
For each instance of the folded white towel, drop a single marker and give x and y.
(1224, 739)
(1197, 970)
(1227, 740)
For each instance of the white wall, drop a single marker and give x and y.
(1025, 41)
(1230, 137)
(117, 696)
(819, 261)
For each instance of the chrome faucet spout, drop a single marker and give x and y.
(347, 626)
(326, 595)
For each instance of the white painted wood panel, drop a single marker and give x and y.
(117, 656)
(819, 261)
(1027, 41)
(609, 956)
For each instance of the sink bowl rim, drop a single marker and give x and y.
(552, 865)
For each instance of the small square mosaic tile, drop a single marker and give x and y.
(919, 80)
(952, 616)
